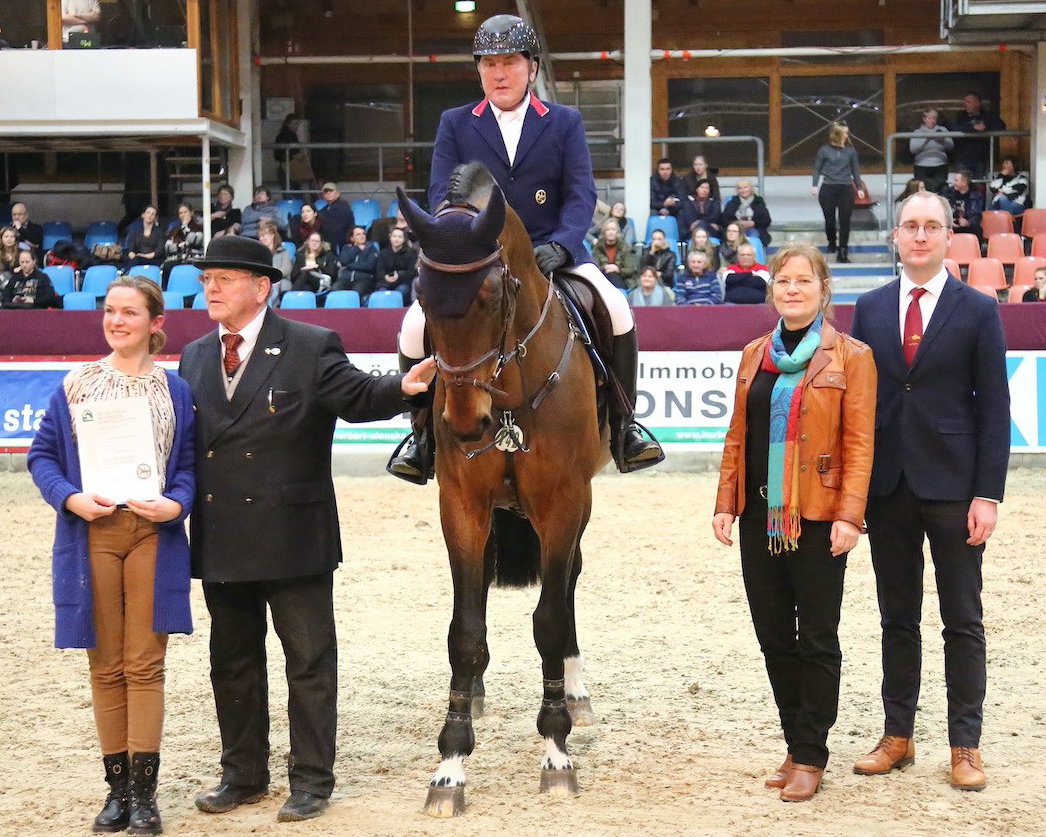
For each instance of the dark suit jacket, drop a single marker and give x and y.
(945, 422)
(265, 505)
(549, 184)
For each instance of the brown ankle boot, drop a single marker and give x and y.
(780, 778)
(803, 783)
(891, 752)
(968, 769)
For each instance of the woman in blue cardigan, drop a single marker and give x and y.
(121, 572)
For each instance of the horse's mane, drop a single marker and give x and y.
(466, 181)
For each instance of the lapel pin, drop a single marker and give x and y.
(273, 350)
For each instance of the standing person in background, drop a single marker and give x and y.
(837, 180)
(942, 445)
(121, 573)
(80, 16)
(294, 165)
(931, 152)
(972, 153)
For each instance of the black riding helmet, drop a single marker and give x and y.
(504, 35)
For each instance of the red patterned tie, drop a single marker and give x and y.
(232, 357)
(913, 326)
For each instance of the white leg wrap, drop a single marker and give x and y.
(620, 312)
(412, 332)
(555, 758)
(572, 667)
(451, 773)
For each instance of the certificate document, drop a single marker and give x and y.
(117, 449)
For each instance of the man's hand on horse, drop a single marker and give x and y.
(551, 257)
(418, 377)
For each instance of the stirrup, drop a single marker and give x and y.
(398, 465)
(652, 454)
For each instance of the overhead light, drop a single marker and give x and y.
(711, 131)
(464, 5)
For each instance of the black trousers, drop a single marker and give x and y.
(795, 598)
(837, 197)
(303, 616)
(897, 524)
(934, 178)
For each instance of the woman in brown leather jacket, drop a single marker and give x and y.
(796, 465)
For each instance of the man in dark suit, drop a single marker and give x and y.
(942, 447)
(28, 231)
(268, 392)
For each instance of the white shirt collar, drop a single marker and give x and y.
(934, 287)
(521, 108)
(249, 333)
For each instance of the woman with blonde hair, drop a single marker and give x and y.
(8, 249)
(796, 466)
(837, 180)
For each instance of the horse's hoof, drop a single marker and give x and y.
(558, 782)
(445, 801)
(580, 709)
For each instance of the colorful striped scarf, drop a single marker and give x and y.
(782, 484)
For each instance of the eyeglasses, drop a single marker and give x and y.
(803, 283)
(931, 228)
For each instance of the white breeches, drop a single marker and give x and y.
(412, 329)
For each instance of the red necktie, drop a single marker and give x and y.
(913, 326)
(232, 357)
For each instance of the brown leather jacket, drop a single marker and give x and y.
(836, 430)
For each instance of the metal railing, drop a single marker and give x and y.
(760, 150)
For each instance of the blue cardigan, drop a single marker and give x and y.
(55, 466)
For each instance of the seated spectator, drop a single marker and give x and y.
(79, 16)
(358, 260)
(144, 243)
(910, 188)
(747, 280)
(315, 266)
(397, 265)
(697, 284)
(1038, 293)
(28, 231)
(269, 235)
(967, 205)
(733, 238)
(379, 231)
(262, 209)
(613, 257)
(225, 218)
(626, 229)
(701, 171)
(749, 210)
(699, 240)
(336, 216)
(1010, 188)
(665, 190)
(29, 287)
(305, 224)
(184, 242)
(9, 250)
(931, 152)
(700, 209)
(662, 257)
(651, 290)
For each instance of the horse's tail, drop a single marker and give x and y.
(513, 551)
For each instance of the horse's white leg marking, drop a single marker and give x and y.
(451, 773)
(555, 759)
(572, 667)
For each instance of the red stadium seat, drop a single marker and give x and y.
(1017, 292)
(1038, 245)
(986, 274)
(996, 221)
(987, 292)
(1033, 222)
(965, 248)
(1006, 247)
(1024, 270)
(952, 267)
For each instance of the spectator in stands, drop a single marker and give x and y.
(651, 290)
(358, 260)
(336, 216)
(225, 218)
(627, 230)
(263, 208)
(733, 238)
(28, 231)
(700, 209)
(269, 235)
(701, 171)
(1038, 293)
(746, 280)
(660, 256)
(614, 257)
(379, 231)
(185, 241)
(749, 210)
(967, 205)
(397, 265)
(1010, 188)
(837, 180)
(144, 244)
(700, 241)
(297, 167)
(665, 190)
(305, 224)
(698, 284)
(931, 152)
(29, 287)
(910, 188)
(79, 16)
(9, 250)
(315, 266)
(972, 154)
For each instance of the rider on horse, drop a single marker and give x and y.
(538, 156)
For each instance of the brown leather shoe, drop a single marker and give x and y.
(892, 752)
(780, 778)
(967, 769)
(803, 783)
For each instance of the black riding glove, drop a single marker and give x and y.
(551, 257)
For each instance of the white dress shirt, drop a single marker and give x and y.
(511, 124)
(249, 333)
(927, 302)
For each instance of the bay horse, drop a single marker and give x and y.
(518, 441)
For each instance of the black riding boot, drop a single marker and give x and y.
(631, 451)
(843, 256)
(145, 816)
(417, 462)
(116, 809)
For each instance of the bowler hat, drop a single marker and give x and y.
(240, 253)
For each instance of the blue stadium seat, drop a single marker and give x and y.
(55, 231)
(63, 277)
(385, 299)
(149, 271)
(298, 299)
(394, 206)
(173, 300)
(97, 279)
(199, 301)
(184, 280)
(667, 224)
(100, 232)
(588, 245)
(343, 299)
(366, 211)
(760, 251)
(79, 301)
(288, 207)
(291, 249)
(319, 203)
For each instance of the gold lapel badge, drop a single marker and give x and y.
(540, 196)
